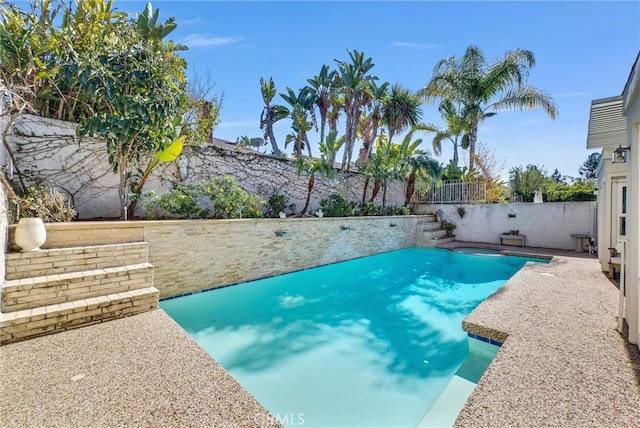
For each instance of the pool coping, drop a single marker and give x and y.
(562, 362)
(141, 370)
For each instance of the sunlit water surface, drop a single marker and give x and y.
(368, 342)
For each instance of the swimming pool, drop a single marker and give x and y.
(367, 342)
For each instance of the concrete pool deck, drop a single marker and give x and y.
(139, 371)
(562, 364)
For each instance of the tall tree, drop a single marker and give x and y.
(323, 89)
(482, 89)
(589, 167)
(400, 111)
(303, 118)
(353, 81)
(312, 166)
(270, 113)
(370, 123)
(457, 131)
(414, 165)
(140, 85)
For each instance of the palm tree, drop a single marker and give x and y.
(457, 130)
(318, 166)
(482, 89)
(415, 165)
(370, 123)
(400, 110)
(353, 82)
(330, 147)
(376, 168)
(301, 107)
(271, 113)
(322, 86)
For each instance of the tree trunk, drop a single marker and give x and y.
(376, 189)
(272, 139)
(384, 197)
(122, 186)
(455, 153)
(312, 181)
(473, 135)
(411, 186)
(306, 142)
(364, 193)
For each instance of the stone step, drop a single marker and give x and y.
(434, 233)
(65, 260)
(431, 226)
(19, 325)
(30, 293)
(434, 242)
(429, 218)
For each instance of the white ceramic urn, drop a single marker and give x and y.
(30, 234)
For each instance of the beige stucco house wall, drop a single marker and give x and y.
(607, 131)
(631, 110)
(615, 123)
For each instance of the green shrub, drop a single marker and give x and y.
(218, 197)
(37, 200)
(578, 191)
(369, 209)
(279, 203)
(336, 206)
(393, 210)
(180, 201)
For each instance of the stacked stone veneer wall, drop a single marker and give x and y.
(50, 148)
(546, 225)
(196, 255)
(4, 220)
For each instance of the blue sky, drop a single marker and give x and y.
(584, 51)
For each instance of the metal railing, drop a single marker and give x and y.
(456, 192)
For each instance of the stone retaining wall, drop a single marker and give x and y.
(200, 254)
(50, 148)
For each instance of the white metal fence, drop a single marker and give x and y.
(456, 192)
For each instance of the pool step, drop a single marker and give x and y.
(65, 260)
(445, 410)
(28, 323)
(429, 233)
(51, 290)
(29, 293)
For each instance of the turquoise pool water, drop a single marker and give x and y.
(368, 342)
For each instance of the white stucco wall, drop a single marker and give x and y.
(546, 225)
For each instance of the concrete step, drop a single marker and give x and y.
(30, 293)
(430, 226)
(434, 233)
(23, 324)
(65, 260)
(434, 242)
(429, 218)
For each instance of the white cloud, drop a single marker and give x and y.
(203, 40)
(410, 45)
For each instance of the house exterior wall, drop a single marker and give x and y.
(546, 225)
(631, 97)
(50, 148)
(609, 174)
